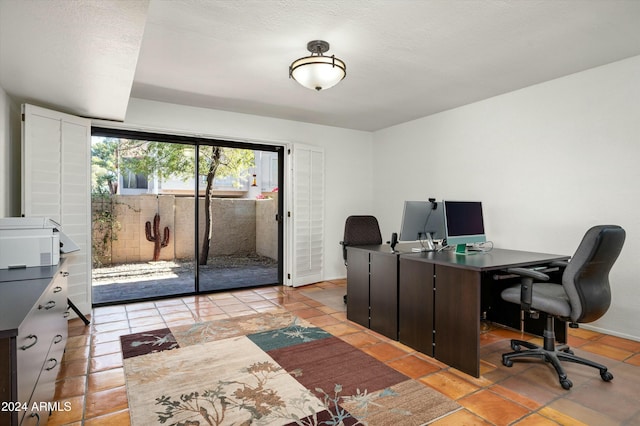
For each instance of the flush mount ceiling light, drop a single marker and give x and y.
(318, 72)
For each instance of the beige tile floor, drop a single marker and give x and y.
(91, 378)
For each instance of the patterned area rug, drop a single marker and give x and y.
(267, 369)
(147, 342)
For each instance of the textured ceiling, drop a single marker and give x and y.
(76, 56)
(405, 58)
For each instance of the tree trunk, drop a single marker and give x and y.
(113, 187)
(214, 162)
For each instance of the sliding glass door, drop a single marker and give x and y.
(175, 216)
(237, 218)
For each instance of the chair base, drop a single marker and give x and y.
(552, 354)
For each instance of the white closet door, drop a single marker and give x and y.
(56, 184)
(307, 215)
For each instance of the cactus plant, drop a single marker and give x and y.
(155, 237)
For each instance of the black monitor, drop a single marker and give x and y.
(422, 221)
(464, 223)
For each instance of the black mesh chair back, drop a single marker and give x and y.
(360, 231)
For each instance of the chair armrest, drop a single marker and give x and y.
(529, 273)
(344, 252)
(526, 286)
(560, 263)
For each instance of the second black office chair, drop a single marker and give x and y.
(360, 230)
(584, 296)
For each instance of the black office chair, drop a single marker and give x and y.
(584, 296)
(360, 231)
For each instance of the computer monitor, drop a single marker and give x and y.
(422, 221)
(464, 224)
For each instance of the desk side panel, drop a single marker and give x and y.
(457, 318)
(415, 305)
(358, 286)
(383, 294)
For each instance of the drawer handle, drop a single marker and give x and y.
(64, 274)
(57, 289)
(49, 305)
(35, 340)
(55, 363)
(66, 314)
(57, 339)
(37, 416)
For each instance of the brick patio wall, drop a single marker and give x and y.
(239, 227)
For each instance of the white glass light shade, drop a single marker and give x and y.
(318, 72)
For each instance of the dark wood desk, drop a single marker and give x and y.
(434, 302)
(442, 297)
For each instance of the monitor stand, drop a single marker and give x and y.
(463, 249)
(429, 245)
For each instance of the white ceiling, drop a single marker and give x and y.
(405, 58)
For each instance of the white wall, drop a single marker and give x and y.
(5, 153)
(547, 161)
(9, 156)
(348, 157)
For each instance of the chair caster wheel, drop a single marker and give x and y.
(568, 351)
(566, 383)
(606, 376)
(507, 362)
(515, 346)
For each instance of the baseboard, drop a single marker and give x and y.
(610, 332)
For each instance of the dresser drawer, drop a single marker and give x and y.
(35, 418)
(41, 399)
(33, 344)
(45, 388)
